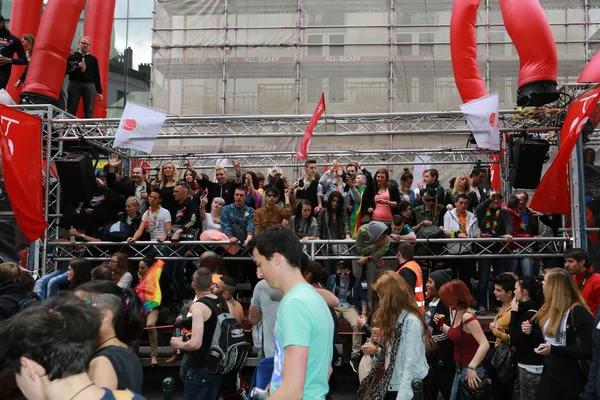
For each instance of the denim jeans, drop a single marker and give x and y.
(529, 266)
(484, 265)
(262, 374)
(49, 285)
(198, 383)
(463, 375)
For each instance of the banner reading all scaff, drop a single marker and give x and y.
(302, 153)
(139, 127)
(482, 117)
(552, 194)
(21, 147)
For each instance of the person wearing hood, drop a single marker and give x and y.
(372, 243)
(14, 290)
(9, 45)
(528, 299)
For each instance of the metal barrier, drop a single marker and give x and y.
(429, 249)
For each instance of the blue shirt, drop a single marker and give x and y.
(244, 215)
(343, 293)
(303, 319)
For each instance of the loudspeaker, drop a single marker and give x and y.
(528, 158)
(77, 177)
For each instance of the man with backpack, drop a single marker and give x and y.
(205, 361)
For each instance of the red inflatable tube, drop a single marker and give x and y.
(530, 32)
(49, 63)
(25, 18)
(98, 26)
(591, 72)
(463, 49)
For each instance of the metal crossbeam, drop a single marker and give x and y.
(448, 122)
(432, 249)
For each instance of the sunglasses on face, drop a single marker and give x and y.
(430, 200)
(271, 195)
(343, 273)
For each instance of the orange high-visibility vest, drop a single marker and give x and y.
(419, 295)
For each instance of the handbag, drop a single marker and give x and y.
(116, 232)
(482, 392)
(504, 362)
(189, 235)
(364, 367)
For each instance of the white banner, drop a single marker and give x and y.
(6, 99)
(419, 170)
(139, 127)
(482, 117)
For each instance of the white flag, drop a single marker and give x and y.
(419, 170)
(6, 99)
(139, 127)
(482, 117)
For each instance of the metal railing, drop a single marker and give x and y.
(426, 249)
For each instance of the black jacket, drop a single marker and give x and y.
(226, 191)
(92, 71)
(367, 198)
(9, 45)
(592, 388)
(505, 224)
(10, 296)
(394, 196)
(440, 193)
(124, 189)
(524, 344)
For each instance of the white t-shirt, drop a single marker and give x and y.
(157, 222)
(209, 223)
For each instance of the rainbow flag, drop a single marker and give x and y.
(355, 218)
(149, 288)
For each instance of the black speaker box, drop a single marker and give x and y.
(528, 158)
(77, 177)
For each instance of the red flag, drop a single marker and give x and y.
(552, 194)
(21, 147)
(495, 172)
(302, 153)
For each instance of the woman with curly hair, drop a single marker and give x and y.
(399, 342)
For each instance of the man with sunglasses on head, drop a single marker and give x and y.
(352, 303)
(269, 214)
(84, 79)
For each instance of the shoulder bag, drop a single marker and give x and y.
(464, 390)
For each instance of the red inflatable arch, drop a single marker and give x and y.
(47, 68)
(591, 72)
(463, 50)
(530, 32)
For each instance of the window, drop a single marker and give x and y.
(336, 89)
(426, 90)
(425, 50)
(314, 88)
(404, 49)
(315, 51)
(336, 50)
(327, 18)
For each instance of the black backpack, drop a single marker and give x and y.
(228, 348)
(11, 304)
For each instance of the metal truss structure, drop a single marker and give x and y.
(60, 127)
(432, 249)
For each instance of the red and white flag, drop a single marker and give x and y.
(21, 147)
(482, 117)
(139, 127)
(495, 172)
(552, 194)
(302, 153)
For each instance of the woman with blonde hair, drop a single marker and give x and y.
(565, 339)
(167, 179)
(402, 339)
(462, 185)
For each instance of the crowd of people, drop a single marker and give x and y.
(410, 319)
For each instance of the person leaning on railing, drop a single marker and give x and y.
(372, 243)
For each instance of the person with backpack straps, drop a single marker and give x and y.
(15, 294)
(204, 361)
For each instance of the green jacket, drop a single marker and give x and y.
(365, 248)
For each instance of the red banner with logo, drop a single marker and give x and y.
(21, 148)
(552, 194)
(302, 153)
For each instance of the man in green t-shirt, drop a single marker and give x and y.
(304, 327)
